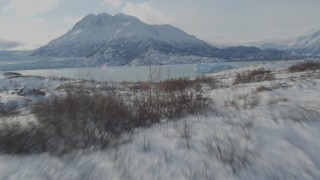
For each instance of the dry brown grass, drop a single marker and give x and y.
(306, 66)
(17, 139)
(81, 121)
(173, 105)
(183, 84)
(140, 86)
(173, 85)
(251, 76)
(180, 84)
(89, 121)
(87, 87)
(93, 115)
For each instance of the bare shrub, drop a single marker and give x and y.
(173, 85)
(86, 120)
(305, 66)
(169, 100)
(107, 86)
(209, 80)
(140, 86)
(151, 108)
(81, 121)
(146, 109)
(251, 76)
(87, 87)
(180, 84)
(18, 139)
(183, 84)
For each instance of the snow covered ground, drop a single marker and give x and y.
(264, 130)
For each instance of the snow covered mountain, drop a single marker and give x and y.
(125, 40)
(303, 46)
(122, 39)
(239, 53)
(307, 45)
(280, 46)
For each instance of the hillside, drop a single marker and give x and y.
(125, 40)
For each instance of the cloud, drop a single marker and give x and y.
(146, 13)
(31, 33)
(70, 21)
(37, 22)
(30, 7)
(114, 3)
(4, 44)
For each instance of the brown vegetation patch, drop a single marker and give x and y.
(251, 76)
(305, 66)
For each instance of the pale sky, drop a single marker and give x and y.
(28, 24)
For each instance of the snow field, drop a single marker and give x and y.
(252, 133)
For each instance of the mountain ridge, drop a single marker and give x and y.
(307, 45)
(123, 39)
(302, 46)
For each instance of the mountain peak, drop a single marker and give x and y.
(124, 16)
(122, 39)
(92, 20)
(102, 19)
(315, 35)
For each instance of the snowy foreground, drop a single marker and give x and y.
(265, 130)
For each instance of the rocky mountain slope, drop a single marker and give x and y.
(303, 46)
(125, 40)
(307, 45)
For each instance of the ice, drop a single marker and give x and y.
(211, 68)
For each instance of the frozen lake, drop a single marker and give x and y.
(125, 73)
(76, 68)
